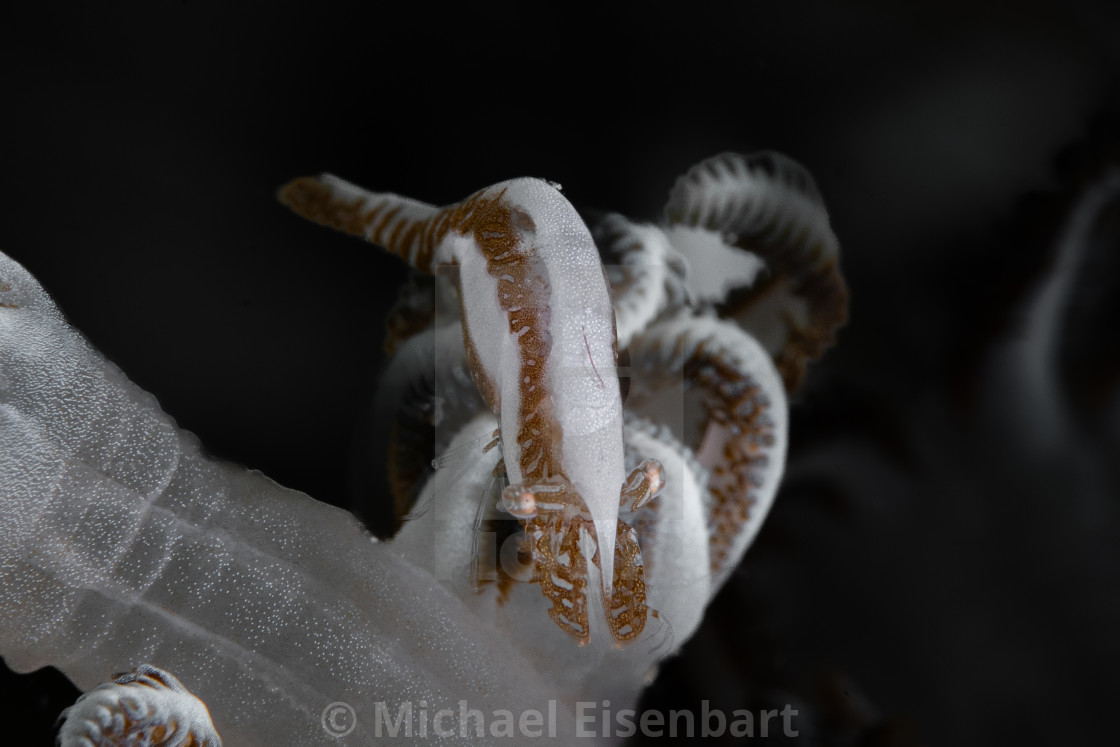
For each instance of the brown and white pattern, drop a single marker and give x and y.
(122, 541)
(769, 205)
(538, 335)
(752, 228)
(146, 707)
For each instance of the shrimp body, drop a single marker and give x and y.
(539, 336)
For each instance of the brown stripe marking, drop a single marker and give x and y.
(562, 573)
(311, 198)
(734, 401)
(379, 222)
(523, 294)
(562, 570)
(627, 608)
(4, 288)
(818, 281)
(498, 231)
(807, 271)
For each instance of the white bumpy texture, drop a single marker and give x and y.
(147, 707)
(672, 533)
(121, 543)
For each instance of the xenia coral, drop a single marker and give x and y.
(610, 441)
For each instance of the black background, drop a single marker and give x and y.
(930, 574)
